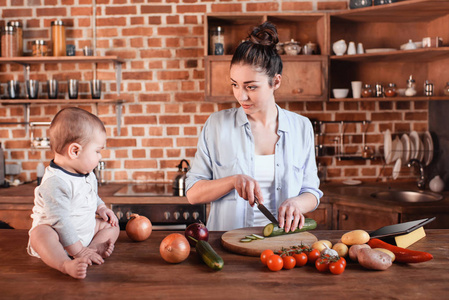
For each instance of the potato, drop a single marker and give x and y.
(320, 245)
(355, 237)
(354, 251)
(374, 259)
(341, 249)
(393, 257)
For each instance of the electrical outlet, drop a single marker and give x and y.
(12, 169)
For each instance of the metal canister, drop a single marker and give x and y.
(428, 88)
(379, 90)
(58, 38)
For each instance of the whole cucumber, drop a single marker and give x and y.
(209, 256)
(271, 229)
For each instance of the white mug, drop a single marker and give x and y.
(356, 89)
(351, 48)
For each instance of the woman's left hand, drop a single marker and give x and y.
(290, 214)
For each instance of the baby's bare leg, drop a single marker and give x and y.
(45, 241)
(105, 237)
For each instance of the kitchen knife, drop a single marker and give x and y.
(265, 211)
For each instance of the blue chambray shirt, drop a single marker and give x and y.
(226, 147)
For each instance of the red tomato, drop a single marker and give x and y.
(265, 254)
(289, 262)
(275, 262)
(342, 260)
(322, 264)
(336, 267)
(313, 255)
(301, 259)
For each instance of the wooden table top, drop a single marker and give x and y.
(136, 270)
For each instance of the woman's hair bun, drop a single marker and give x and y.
(264, 34)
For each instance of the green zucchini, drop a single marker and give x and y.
(271, 229)
(208, 255)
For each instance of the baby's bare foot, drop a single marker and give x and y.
(104, 249)
(77, 268)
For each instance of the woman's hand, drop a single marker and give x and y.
(290, 214)
(247, 187)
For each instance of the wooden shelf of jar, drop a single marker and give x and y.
(421, 54)
(60, 101)
(399, 98)
(25, 60)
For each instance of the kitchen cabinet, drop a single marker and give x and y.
(322, 215)
(350, 218)
(305, 77)
(27, 61)
(18, 216)
(387, 27)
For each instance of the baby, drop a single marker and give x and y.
(65, 224)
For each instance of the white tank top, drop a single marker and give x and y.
(264, 174)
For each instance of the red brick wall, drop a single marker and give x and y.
(163, 82)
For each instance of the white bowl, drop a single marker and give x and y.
(340, 93)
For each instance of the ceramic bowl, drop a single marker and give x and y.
(340, 93)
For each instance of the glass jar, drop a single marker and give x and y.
(390, 91)
(446, 89)
(19, 35)
(359, 3)
(39, 48)
(411, 88)
(292, 47)
(58, 38)
(367, 91)
(217, 41)
(9, 42)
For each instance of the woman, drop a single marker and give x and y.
(258, 150)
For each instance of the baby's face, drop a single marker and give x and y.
(91, 153)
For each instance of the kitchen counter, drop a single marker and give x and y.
(136, 270)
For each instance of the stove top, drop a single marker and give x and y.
(146, 190)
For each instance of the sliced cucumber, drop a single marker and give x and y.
(250, 237)
(274, 230)
(246, 240)
(257, 237)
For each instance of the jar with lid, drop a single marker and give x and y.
(58, 38)
(19, 35)
(367, 91)
(39, 48)
(9, 42)
(217, 41)
(446, 89)
(292, 47)
(390, 91)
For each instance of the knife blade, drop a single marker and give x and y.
(265, 211)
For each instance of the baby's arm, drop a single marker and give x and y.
(107, 215)
(77, 250)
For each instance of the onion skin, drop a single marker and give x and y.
(138, 228)
(198, 231)
(174, 248)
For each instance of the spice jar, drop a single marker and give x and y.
(19, 35)
(58, 38)
(292, 47)
(217, 41)
(390, 91)
(39, 48)
(367, 91)
(9, 42)
(446, 89)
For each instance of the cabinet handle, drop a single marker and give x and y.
(344, 217)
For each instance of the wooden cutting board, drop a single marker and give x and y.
(231, 241)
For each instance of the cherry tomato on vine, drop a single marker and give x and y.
(337, 267)
(265, 254)
(289, 262)
(342, 260)
(275, 262)
(322, 264)
(301, 259)
(313, 255)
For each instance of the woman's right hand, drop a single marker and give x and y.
(247, 187)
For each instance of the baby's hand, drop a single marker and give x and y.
(90, 254)
(108, 215)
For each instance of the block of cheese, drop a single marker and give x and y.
(408, 239)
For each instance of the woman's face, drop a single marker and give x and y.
(252, 89)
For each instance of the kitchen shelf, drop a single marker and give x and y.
(25, 60)
(421, 54)
(399, 12)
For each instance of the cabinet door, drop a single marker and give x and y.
(322, 215)
(304, 78)
(351, 218)
(16, 218)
